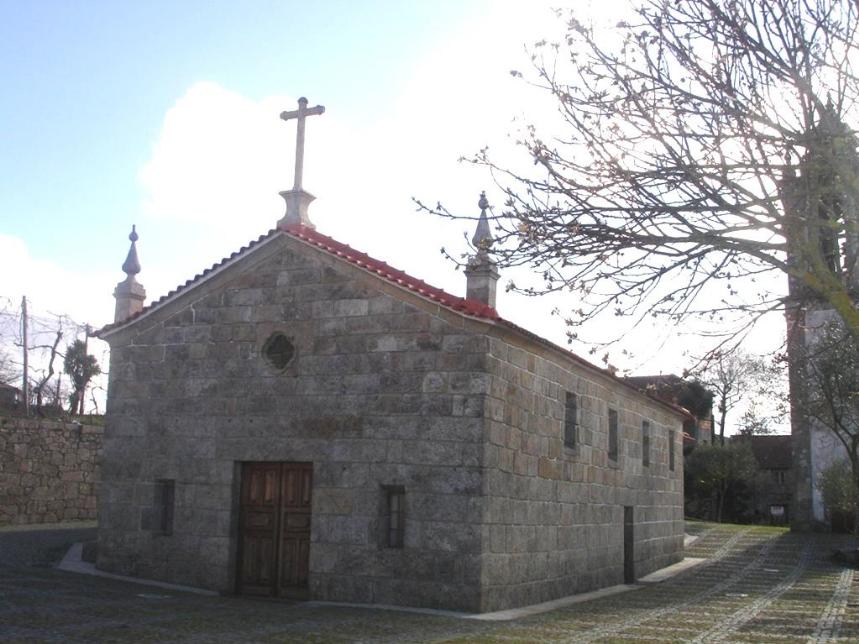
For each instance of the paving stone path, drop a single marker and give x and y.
(758, 585)
(829, 624)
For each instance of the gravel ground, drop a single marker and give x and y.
(758, 585)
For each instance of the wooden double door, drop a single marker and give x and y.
(274, 529)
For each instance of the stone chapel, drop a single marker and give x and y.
(303, 420)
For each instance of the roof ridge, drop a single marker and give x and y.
(395, 275)
(338, 249)
(461, 305)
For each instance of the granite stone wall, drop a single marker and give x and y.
(555, 514)
(49, 470)
(379, 393)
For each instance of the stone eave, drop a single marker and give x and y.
(195, 282)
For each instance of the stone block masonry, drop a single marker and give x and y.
(438, 446)
(49, 470)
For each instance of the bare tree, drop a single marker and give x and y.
(49, 337)
(48, 373)
(736, 377)
(8, 372)
(755, 423)
(696, 140)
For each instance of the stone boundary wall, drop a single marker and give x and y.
(49, 470)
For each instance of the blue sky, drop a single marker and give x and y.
(87, 86)
(165, 115)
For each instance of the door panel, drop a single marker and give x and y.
(295, 527)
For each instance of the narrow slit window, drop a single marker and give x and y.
(164, 501)
(671, 450)
(612, 434)
(645, 443)
(571, 425)
(396, 502)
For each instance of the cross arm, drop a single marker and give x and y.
(310, 111)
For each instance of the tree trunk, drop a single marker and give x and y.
(723, 412)
(44, 381)
(73, 402)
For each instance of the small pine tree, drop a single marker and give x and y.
(81, 367)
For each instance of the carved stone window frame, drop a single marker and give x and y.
(279, 351)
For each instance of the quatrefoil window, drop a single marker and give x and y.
(278, 351)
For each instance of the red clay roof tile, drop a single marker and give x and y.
(380, 268)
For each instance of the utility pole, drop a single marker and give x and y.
(25, 388)
(86, 350)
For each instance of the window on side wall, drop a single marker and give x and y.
(671, 450)
(395, 506)
(612, 434)
(645, 443)
(164, 501)
(571, 423)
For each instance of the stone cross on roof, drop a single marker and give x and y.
(300, 115)
(297, 200)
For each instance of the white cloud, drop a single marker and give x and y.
(218, 154)
(51, 288)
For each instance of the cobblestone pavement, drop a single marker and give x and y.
(758, 585)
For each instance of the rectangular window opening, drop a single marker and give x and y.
(571, 424)
(645, 443)
(671, 450)
(164, 501)
(612, 434)
(395, 498)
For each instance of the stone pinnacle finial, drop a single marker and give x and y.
(481, 274)
(131, 265)
(128, 293)
(482, 239)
